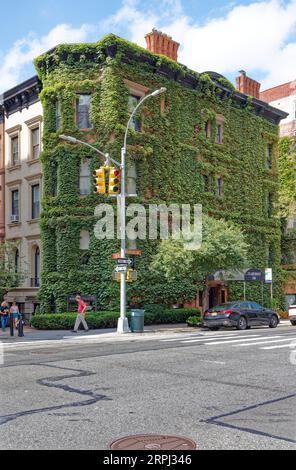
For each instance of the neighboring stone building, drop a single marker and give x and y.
(201, 142)
(2, 175)
(283, 97)
(23, 179)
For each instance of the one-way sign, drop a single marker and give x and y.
(121, 269)
(124, 262)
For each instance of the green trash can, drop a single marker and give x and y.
(137, 321)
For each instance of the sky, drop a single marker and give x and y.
(223, 36)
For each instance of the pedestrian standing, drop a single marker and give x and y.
(14, 311)
(80, 315)
(4, 309)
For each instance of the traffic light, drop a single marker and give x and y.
(100, 181)
(114, 181)
(131, 275)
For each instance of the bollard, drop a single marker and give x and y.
(20, 326)
(11, 324)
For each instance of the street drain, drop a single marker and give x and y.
(153, 442)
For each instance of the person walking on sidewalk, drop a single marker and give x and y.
(14, 311)
(81, 314)
(4, 309)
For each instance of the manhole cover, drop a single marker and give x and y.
(153, 442)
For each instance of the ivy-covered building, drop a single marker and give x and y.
(200, 142)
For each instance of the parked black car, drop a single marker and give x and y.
(241, 314)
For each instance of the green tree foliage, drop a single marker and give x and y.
(9, 276)
(223, 248)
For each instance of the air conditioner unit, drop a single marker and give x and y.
(14, 219)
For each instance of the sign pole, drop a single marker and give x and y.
(245, 291)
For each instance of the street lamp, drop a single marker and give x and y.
(122, 326)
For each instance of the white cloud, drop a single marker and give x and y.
(25, 50)
(253, 37)
(259, 38)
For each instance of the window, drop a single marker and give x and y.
(35, 201)
(269, 151)
(14, 150)
(205, 182)
(15, 205)
(219, 186)
(83, 105)
(269, 205)
(58, 116)
(85, 178)
(84, 240)
(136, 121)
(35, 135)
(17, 261)
(207, 129)
(219, 134)
(36, 267)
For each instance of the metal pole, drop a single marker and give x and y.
(11, 324)
(244, 290)
(122, 326)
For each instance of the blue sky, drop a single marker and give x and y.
(257, 36)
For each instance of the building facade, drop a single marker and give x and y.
(283, 97)
(23, 117)
(2, 174)
(201, 142)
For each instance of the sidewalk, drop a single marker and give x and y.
(40, 335)
(31, 334)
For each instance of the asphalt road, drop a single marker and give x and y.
(224, 390)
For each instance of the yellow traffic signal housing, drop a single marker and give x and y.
(100, 181)
(131, 275)
(114, 181)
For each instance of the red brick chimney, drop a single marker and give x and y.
(247, 85)
(160, 43)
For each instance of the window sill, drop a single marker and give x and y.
(14, 224)
(33, 221)
(32, 161)
(14, 167)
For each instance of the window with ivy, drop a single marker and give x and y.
(136, 121)
(85, 178)
(83, 109)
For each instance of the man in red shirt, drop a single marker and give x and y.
(80, 316)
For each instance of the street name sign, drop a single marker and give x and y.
(253, 275)
(124, 262)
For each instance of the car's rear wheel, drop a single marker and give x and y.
(273, 322)
(293, 322)
(242, 323)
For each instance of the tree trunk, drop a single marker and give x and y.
(205, 296)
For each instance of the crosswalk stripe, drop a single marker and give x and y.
(193, 338)
(262, 342)
(237, 340)
(278, 347)
(205, 339)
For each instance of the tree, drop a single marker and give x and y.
(223, 248)
(10, 276)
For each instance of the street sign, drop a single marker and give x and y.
(124, 262)
(121, 269)
(253, 275)
(268, 276)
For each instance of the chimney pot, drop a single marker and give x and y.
(247, 85)
(160, 43)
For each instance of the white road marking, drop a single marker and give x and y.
(225, 338)
(278, 347)
(237, 340)
(262, 342)
(194, 338)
